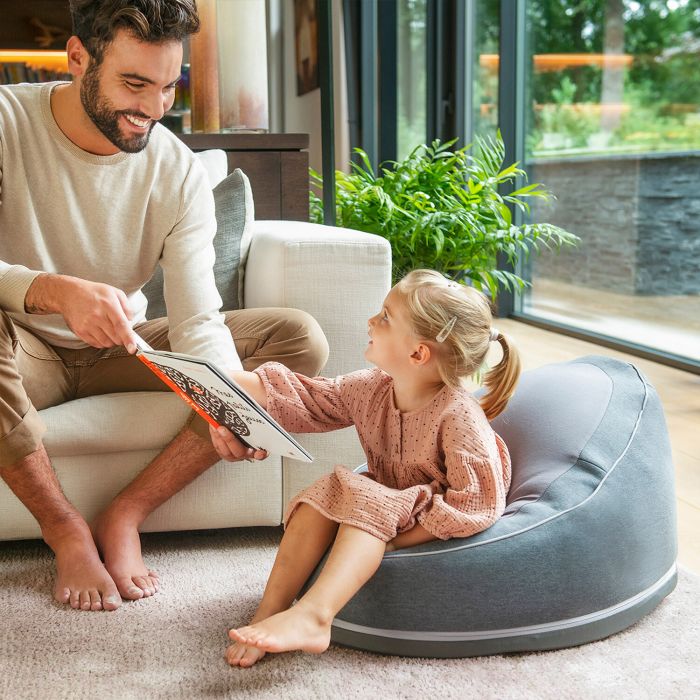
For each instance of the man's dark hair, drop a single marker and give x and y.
(95, 22)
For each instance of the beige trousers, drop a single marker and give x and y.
(35, 375)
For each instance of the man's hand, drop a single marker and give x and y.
(230, 448)
(97, 313)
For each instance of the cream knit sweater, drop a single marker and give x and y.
(109, 219)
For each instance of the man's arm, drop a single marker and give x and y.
(192, 300)
(97, 313)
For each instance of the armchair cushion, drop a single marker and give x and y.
(233, 200)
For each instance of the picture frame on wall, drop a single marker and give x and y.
(306, 45)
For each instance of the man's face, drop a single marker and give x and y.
(131, 89)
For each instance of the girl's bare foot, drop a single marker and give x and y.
(301, 627)
(243, 655)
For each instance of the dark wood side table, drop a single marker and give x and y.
(276, 164)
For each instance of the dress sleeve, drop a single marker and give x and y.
(477, 481)
(303, 404)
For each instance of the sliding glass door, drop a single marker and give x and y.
(613, 129)
(600, 101)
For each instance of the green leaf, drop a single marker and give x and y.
(441, 208)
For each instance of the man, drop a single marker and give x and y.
(95, 193)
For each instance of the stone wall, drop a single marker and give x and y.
(638, 218)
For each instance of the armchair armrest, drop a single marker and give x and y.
(338, 275)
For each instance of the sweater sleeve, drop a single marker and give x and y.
(191, 297)
(477, 481)
(307, 405)
(15, 280)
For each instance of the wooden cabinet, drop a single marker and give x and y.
(276, 164)
(34, 24)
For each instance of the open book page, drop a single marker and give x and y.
(220, 401)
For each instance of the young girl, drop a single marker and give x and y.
(436, 469)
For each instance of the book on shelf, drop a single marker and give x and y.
(12, 72)
(220, 401)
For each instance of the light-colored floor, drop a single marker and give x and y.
(680, 394)
(668, 323)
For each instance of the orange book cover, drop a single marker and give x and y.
(220, 401)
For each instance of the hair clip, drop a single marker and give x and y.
(446, 329)
(493, 335)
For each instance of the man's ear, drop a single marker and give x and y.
(421, 355)
(78, 57)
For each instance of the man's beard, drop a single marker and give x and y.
(106, 119)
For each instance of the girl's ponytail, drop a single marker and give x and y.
(500, 380)
(456, 319)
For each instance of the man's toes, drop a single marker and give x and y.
(85, 601)
(95, 599)
(75, 600)
(111, 600)
(145, 584)
(62, 595)
(129, 589)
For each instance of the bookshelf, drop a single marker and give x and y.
(33, 36)
(34, 24)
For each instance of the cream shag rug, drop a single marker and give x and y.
(172, 645)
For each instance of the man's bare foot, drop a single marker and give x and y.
(119, 542)
(82, 580)
(243, 655)
(301, 627)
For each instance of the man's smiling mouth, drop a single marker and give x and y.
(141, 123)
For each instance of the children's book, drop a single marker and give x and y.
(220, 401)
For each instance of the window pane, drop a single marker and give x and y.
(411, 75)
(613, 130)
(486, 23)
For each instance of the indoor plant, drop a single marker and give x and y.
(442, 209)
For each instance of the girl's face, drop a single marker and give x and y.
(391, 339)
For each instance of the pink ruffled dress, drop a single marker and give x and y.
(442, 465)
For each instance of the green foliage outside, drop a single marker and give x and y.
(442, 209)
(661, 85)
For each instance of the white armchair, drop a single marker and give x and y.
(99, 444)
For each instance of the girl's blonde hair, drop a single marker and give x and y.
(457, 320)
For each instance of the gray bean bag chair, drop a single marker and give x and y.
(587, 544)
